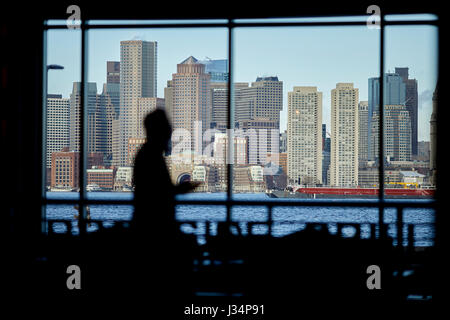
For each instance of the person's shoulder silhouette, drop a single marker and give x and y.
(154, 190)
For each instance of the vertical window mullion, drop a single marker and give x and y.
(44, 228)
(381, 131)
(230, 121)
(83, 129)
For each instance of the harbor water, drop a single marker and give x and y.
(286, 220)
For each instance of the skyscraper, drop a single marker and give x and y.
(138, 60)
(344, 135)
(411, 103)
(110, 104)
(220, 150)
(263, 99)
(145, 106)
(191, 106)
(168, 99)
(217, 69)
(363, 147)
(433, 137)
(95, 129)
(112, 72)
(57, 125)
(394, 92)
(219, 106)
(304, 135)
(257, 113)
(397, 133)
(326, 150)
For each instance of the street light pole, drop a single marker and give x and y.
(48, 67)
(44, 139)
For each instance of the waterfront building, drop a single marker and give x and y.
(103, 177)
(248, 178)
(65, 169)
(123, 177)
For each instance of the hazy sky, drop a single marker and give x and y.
(299, 56)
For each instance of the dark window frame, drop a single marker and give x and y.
(229, 202)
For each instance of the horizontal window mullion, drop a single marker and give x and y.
(246, 24)
(377, 204)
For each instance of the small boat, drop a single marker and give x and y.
(93, 188)
(61, 189)
(127, 188)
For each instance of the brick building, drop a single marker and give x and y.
(65, 169)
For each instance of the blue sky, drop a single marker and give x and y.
(303, 56)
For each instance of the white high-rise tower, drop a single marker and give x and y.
(344, 135)
(304, 136)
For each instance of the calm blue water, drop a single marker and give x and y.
(286, 219)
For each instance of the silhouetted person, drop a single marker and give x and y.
(154, 191)
(161, 247)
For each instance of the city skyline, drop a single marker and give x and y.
(212, 43)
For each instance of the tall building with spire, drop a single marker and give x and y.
(138, 61)
(344, 135)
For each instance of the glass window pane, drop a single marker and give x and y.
(301, 102)
(410, 111)
(135, 71)
(63, 68)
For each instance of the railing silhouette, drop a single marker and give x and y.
(204, 228)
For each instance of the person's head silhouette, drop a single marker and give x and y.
(158, 129)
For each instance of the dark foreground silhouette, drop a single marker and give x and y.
(151, 267)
